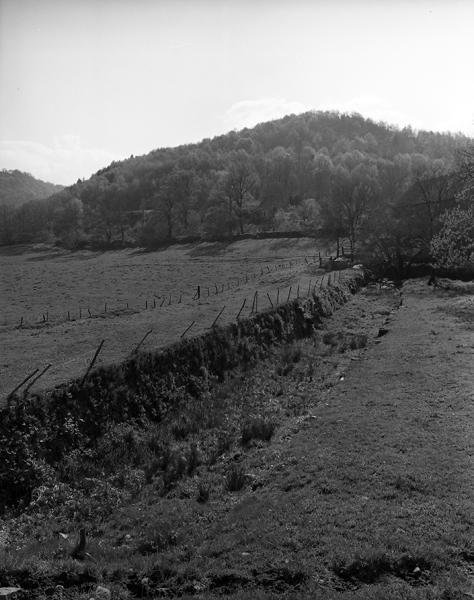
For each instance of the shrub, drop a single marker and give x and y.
(235, 478)
(257, 429)
(203, 493)
(358, 340)
(194, 459)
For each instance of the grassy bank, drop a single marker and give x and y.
(338, 467)
(169, 389)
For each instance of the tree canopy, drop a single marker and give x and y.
(378, 188)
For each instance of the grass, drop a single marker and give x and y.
(53, 283)
(257, 429)
(236, 478)
(339, 505)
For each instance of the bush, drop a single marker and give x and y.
(235, 478)
(257, 429)
(453, 246)
(203, 493)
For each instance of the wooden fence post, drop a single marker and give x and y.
(241, 308)
(141, 341)
(216, 319)
(92, 363)
(187, 329)
(33, 381)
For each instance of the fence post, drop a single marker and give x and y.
(141, 341)
(241, 308)
(187, 329)
(216, 319)
(22, 383)
(32, 382)
(92, 363)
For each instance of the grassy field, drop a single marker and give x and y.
(119, 296)
(340, 468)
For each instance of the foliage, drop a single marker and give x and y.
(235, 478)
(453, 246)
(317, 170)
(17, 188)
(257, 429)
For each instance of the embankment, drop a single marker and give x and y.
(37, 431)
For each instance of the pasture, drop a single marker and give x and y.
(57, 306)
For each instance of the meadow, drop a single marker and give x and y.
(57, 306)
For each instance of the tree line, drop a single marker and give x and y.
(379, 189)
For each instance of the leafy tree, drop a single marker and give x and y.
(350, 165)
(67, 220)
(239, 186)
(453, 245)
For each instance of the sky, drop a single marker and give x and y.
(85, 82)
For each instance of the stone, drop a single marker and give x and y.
(102, 593)
(9, 592)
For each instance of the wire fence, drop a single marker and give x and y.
(108, 307)
(252, 302)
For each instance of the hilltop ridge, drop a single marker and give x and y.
(17, 188)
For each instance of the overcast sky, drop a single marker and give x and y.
(84, 82)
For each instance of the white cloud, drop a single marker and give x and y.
(248, 113)
(375, 108)
(63, 162)
(380, 109)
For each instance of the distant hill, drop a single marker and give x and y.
(274, 176)
(17, 187)
(339, 174)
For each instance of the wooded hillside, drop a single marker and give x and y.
(324, 171)
(17, 187)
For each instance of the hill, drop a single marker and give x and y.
(17, 187)
(317, 170)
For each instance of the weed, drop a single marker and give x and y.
(235, 478)
(257, 429)
(176, 468)
(203, 493)
(222, 445)
(331, 338)
(291, 354)
(408, 484)
(368, 569)
(158, 540)
(194, 459)
(363, 568)
(358, 340)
